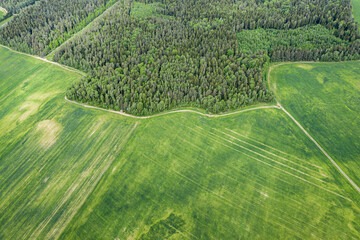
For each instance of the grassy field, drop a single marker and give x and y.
(356, 9)
(76, 173)
(51, 153)
(191, 177)
(324, 97)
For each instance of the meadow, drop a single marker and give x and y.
(51, 153)
(254, 175)
(324, 97)
(356, 9)
(71, 172)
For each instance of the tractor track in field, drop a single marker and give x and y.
(321, 149)
(85, 186)
(308, 135)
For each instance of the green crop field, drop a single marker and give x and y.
(71, 172)
(356, 9)
(324, 97)
(51, 153)
(254, 176)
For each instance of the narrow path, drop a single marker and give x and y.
(82, 30)
(310, 137)
(321, 149)
(174, 111)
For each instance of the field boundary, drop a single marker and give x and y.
(173, 111)
(306, 133)
(46, 60)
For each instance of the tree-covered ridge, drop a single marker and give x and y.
(45, 25)
(143, 66)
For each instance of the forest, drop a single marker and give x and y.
(44, 26)
(14, 6)
(309, 43)
(149, 56)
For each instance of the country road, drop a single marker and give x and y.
(321, 149)
(174, 111)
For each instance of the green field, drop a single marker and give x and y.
(219, 184)
(324, 98)
(356, 9)
(76, 173)
(51, 153)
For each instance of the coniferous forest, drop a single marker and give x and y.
(147, 56)
(45, 25)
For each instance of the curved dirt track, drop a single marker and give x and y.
(174, 111)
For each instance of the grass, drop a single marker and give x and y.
(324, 98)
(217, 186)
(77, 173)
(51, 153)
(356, 9)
